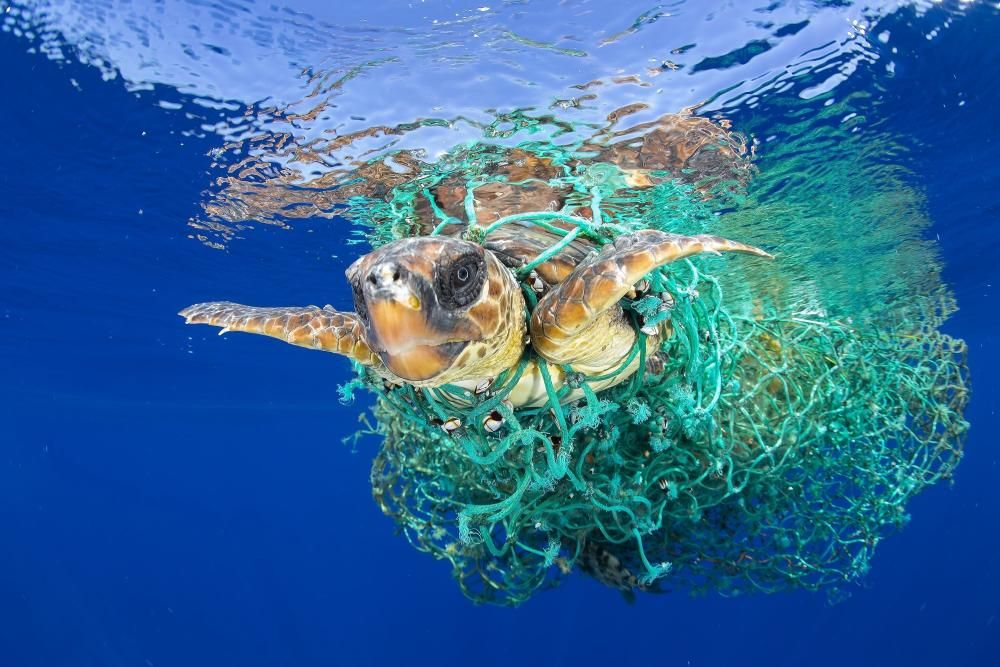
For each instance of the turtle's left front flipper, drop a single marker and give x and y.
(580, 323)
(316, 328)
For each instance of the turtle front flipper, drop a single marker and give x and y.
(316, 328)
(580, 323)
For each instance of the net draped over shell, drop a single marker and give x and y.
(765, 446)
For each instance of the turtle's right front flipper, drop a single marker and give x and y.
(316, 328)
(579, 322)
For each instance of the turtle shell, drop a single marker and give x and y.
(534, 178)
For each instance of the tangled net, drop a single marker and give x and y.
(768, 448)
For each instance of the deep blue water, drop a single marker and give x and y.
(172, 498)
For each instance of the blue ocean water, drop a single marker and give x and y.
(173, 498)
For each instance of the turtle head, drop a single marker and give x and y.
(439, 310)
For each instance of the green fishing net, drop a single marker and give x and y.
(770, 444)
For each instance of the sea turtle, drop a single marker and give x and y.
(440, 309)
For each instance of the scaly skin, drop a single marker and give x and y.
(316, 328)
(407, 336)
(580, 322)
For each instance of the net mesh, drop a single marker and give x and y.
(766, 446)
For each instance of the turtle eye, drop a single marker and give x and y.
(462, 282)
(462, 275)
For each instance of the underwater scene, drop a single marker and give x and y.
(586, 333)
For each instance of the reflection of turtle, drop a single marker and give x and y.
(437, 310)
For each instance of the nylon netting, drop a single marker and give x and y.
(770, 447)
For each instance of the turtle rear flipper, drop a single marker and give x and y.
(316, 328)
(579, 323)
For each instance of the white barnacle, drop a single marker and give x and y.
(452, 424)
(536, 282)
(639, 289)
(492, 422)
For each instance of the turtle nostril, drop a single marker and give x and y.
(385, 275)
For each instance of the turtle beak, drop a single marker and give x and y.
(396, 323)
(404, 338)
(396, 314)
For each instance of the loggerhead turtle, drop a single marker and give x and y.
(432, 310)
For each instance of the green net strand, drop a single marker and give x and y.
(769, 448)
